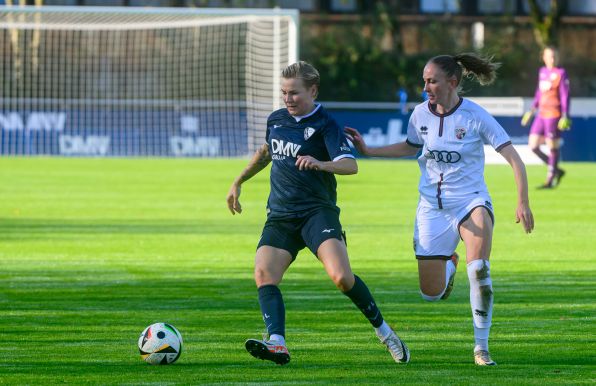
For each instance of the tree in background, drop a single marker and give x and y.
(362, 59)
(546, 24)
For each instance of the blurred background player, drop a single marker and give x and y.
(552, 101)
(307, 148)
(454, 201)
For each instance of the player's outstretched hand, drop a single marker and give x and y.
(232, 199)
(306, 162)
(524, 214)
(526, 117)
(354, 136)
(564, 123)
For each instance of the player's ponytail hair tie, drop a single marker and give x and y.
(470, 65)
(482, 68)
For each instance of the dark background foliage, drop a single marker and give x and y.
(364, 59)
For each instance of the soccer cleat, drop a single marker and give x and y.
(559, 176)
(270, 350)
(546, 185)
(398, 349)
(482, 358)
(449, 288)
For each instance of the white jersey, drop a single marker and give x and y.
(452, 159)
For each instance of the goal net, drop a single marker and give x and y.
(95, 81)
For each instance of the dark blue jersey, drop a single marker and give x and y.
(296, 192)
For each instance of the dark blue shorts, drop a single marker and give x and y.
(310, 231)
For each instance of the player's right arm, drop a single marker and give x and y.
(401, 149)
(527, 116)
(259, 161)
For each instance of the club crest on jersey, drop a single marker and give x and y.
(308, 132)
(460, 132)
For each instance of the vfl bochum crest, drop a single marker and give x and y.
(460, 132)
(308, 132)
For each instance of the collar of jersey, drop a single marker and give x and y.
(299, 118)
(430, 108)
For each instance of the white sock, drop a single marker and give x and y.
(383, 330)
(481, 338)
(449, 270)
(278, 338)
(481, 301)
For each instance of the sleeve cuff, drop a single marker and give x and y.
(413, 144)
(341, 156)
(500, 147)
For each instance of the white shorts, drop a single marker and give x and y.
(436, 231)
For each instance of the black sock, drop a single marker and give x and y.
(362, 298)
(553, 161)
(273, 309)
(543, 157)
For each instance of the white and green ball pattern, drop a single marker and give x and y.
(160, 344)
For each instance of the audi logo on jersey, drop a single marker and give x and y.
(448, 157)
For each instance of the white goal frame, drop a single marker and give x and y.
(32, 124)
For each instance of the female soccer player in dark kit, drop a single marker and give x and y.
(449, 132)
(307, 148)
(552, 101)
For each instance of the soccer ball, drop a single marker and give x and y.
(160, 344)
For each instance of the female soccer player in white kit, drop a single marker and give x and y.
(454, 201)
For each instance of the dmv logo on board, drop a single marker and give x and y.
(36, 120)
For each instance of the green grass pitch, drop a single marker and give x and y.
(94, 250)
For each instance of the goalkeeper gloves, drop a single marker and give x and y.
(564, 123)
(526, 117)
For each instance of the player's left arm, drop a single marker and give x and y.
(564, 93)
(523, 212)
(344, 166)
(565, 122)
(342, 160)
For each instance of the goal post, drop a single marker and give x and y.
(102, 81)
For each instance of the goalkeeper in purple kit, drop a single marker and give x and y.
(552, 102)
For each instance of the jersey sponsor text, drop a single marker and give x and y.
(279, 147)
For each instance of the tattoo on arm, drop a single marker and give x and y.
(264, 157)
(259, 161)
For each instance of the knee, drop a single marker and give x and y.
(343, 281)
(431, 298)
(432, 291)
(479, 271)
(264, 277)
